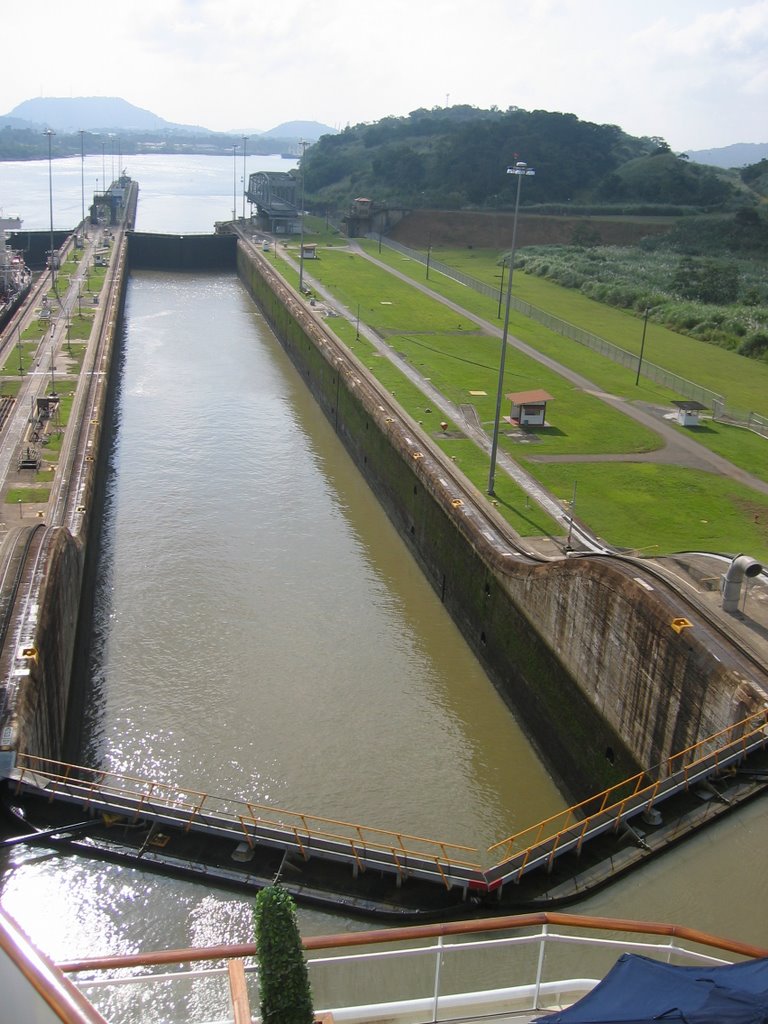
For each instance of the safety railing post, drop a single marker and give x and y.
(540, 965)
(438, 965)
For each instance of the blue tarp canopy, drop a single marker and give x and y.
(637, 991)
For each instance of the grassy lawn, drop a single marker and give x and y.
(609, 376)
(522, 513)
(52, 450)
(11, 367)
(742, 447)
(64, 388)
(36, 330)
(658, 508)
(94, 279)
(80, 327)
(75, 354)
(743, 382)
(462, 363)
(633, 505)
(386, 304)
(27, 495)
(745, 449)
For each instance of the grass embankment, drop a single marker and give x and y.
(743, 381)
(634, 505)
(27, 496)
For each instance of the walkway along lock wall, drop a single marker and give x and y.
(583, 652)
(53, 591)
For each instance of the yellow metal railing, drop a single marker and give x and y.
(571, 825)
(637, 788)
(141, 795)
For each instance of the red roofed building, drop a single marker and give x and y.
(529, 408)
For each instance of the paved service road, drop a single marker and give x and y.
(679, 449)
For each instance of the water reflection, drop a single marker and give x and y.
(262, 630)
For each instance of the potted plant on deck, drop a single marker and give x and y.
(285, 993)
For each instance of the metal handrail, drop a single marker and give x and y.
(752, 728)
(533, 846)
(545, 931)
(145, 794)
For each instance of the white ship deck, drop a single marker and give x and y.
(503, 969)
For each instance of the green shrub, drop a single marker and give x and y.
(756, 345)
(286, 997)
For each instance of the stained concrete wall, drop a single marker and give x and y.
(583, 652)
(43, 691)
(42, 714)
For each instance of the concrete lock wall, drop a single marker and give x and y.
(43, 695)
(584, 654)
(44, 710)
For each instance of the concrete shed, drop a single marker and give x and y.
(688, 413)
(529, 408)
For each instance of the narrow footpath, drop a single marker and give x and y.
(678, 449)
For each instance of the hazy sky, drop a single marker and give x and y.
(692, 71)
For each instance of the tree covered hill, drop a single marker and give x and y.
(457, 157)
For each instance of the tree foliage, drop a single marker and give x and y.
(286, 997)
(714, 282)
(458, 157)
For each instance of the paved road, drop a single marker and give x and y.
(676, 448)
(679, 449)
(459, 415)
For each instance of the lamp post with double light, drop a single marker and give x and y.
(303, 145)
(82, 181)
(521, 170)
(234, 181)
(245, 140)
(50, 133)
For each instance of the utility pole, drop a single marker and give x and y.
(245, 139)
(303, 145)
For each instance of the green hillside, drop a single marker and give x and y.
(457, 157)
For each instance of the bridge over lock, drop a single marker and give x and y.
(247, 845)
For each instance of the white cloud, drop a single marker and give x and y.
(693, 71)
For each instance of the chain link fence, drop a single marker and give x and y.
(672, 381)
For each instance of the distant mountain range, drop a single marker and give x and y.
(112, 114)
(105, 114)
(741, 154)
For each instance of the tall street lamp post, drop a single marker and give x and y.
(245, 139)
(642, 346)
(50, 133)
(522, 170)
(303, 145)
(82, 182)
(234, 181)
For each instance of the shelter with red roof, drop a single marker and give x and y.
(529, 408)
